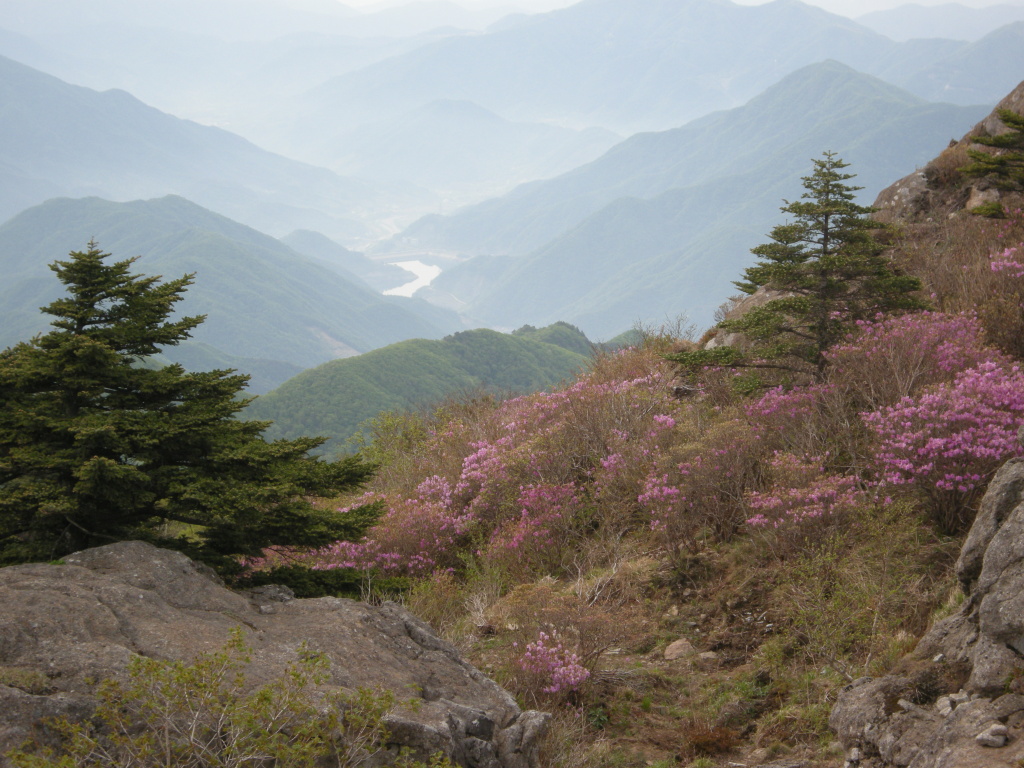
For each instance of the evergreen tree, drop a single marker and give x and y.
(96, 447)
(1005, 166)
(827, 270)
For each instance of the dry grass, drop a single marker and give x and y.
(951, 256)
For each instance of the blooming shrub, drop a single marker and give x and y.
(955, 259)
(536, 541)
(1009, 261)
(949, 440)
(414, 537)
(695, 491)
(551, 670)
(893, 357)
(885, 360)
(802, 491)
(506, 481)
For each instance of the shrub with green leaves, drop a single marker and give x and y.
(204, 714)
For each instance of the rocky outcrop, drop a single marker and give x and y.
(914, 195)
(740, 306)
(958, 702)
(62, 625)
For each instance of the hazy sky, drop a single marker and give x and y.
(850, 8)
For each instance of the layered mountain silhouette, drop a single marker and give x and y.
(946, 20)
(58, 139)
(661, 222)
(636, 65)
(461, 150)
(262, 299)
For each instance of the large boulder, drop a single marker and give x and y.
(63, 626)
(957, 701)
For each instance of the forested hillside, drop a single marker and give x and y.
(334, 399)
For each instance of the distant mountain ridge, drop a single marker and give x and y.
(263, 300)
(950, 20)
(636, 65)
(658, 225)
(461, 150)
(818, 106)
(58, 139)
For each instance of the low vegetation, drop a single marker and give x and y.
(205, 714)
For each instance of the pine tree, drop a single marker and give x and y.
(1005, 166)
(828, 272)
(96, 445)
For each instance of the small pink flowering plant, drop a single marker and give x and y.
(552, 671)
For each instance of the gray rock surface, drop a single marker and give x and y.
(950, 707)
(86, 618)
(680, 649)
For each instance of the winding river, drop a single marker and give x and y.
(425, 274)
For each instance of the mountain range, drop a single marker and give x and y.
(531, 95)
(461, 151)
(638, 65)
(953, 21)
(656, 225)
(58, 139)
(262, 300)
(604, 234)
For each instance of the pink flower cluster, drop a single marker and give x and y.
(802, 491)
(661, 499)
(556, 669)
(415, 536)
(525, 470)
(1009, 261)
(785, 405)
(924, 343)
(535, 539)
(954, 435)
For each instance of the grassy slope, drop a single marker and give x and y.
(769, 623)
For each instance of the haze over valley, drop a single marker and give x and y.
(602, 163)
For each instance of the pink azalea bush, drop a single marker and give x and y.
(518, 478)
(893, 357)
(802, 492)
(694, 492)
(883, 361)
(951, 438)
(1010, 261)
(535, 541)
(551, 670)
